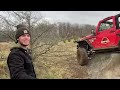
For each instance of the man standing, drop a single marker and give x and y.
(19, 60)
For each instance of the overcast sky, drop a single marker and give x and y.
(80, 17)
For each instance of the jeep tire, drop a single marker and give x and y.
(82, 56)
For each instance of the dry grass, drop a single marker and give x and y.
(4, 73)
(60, 63)
(5, 49)
(4, 52)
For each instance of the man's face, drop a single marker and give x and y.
(24, 39)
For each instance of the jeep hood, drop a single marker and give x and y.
(86, 37)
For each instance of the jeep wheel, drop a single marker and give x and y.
(82, 56)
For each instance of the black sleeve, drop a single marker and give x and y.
(16, 67)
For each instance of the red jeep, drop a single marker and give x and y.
(105, 38)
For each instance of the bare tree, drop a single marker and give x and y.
(32, 19)
(68, 31)
(45, 37)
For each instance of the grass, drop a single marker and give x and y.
(4, 74)
(4, 52)
(59, 63)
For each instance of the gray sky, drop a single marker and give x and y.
(80, 17)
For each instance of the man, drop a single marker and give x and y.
(19, 60)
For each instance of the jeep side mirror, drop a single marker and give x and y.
(93, 32)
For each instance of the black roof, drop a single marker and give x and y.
(117, 15)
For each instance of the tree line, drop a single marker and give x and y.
(45, 30)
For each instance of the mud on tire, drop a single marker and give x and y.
(82, 56)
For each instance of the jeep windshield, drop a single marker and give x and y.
(106, 25)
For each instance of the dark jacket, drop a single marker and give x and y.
(20, 64)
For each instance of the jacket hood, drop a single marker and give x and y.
(15, 48)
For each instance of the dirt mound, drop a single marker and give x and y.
(104, 66)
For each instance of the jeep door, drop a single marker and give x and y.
(106, 35)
